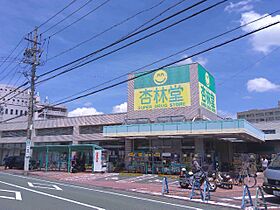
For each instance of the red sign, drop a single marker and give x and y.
(96, 157)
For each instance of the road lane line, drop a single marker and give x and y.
(108, 192)
(53, 196)
(17, 194)
(44, 186)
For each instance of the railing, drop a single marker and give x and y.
(190, 127)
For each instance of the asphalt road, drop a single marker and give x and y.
(30, 193)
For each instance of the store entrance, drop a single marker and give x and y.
(162, 155)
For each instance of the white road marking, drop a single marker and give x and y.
(253, 197)
(17, 195)
(44, 186)
(53, 196)
(108, 192)
(138, 178)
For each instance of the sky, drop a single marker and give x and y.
(246, 71)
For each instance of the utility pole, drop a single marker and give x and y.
(32, 58)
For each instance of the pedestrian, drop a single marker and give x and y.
(264, 163)
(195, 165)
(6, 161)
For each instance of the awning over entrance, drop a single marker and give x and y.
(224, 129)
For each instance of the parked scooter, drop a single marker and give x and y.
(223, 180)
(186, 179)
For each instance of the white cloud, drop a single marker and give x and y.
(88, 104)
(203, 61)
(120, 108)
(226, 114)
(264, 40)
(83, 112)
(261, 85)
(240, 6)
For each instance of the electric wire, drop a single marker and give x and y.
(77, 10)
(156, 16)
(129, 44)
(7, 67)
(1, 63)
(116, 25)
(133, 42)
(174, 54)
(60, 11)
(121, 40)
(79, 19)
(171, 63)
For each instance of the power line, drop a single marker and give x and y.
(79, 19)
(138, 32)
(249, 66)
(11, 52)
(19, 87)
(174, 54)
(169, 64)
(156, 16)
(77, 10)
(131, 43)
(116, 25)
(12, 118)
(4, 70)
(68, 5)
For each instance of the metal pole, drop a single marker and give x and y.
(31, 99)
(47, 159)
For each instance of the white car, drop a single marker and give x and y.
(271, 183)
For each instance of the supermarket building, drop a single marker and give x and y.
(171, 117)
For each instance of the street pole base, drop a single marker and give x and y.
(25, 173)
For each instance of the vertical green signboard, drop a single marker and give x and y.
(207, 90)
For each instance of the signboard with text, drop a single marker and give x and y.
(207, 90)
(165, 88)
(28, 148)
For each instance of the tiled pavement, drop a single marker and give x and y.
(152, 184)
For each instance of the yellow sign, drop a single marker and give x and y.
(165, 88)
(160, 77)
(168, 96)
(131, 154)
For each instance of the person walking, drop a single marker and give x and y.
(264, 163)
(6, 161)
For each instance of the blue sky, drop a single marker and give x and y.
(241, 85)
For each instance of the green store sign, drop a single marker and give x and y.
(207, 90)
(165, 88)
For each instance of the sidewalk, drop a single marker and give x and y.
(150, 184)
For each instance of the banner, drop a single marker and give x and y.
(165, 88)
(207, 90)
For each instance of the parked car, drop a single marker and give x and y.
(17, 162)
(271, 183)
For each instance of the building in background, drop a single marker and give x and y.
(47, 111)
(261, 115)
(16, 108)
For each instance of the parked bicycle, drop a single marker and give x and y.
(246, 178)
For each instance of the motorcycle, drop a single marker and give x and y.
(223, 180)
(186, 180)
